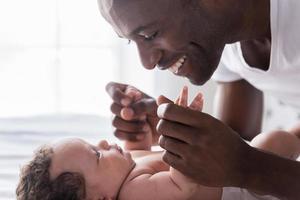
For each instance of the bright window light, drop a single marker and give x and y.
(55, 57)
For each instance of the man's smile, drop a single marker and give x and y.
(175, 68)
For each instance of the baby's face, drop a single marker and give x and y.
(104, 166)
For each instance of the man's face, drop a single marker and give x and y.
(172, 34)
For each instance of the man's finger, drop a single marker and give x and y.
(112, 85)
(116, 109)
(144, 106)
(128, 136)
(174, 146)
(162, 99)
(176, 130)
(133, 92)
(117, 93)
(173, 160)
(182, 115)
(126, 113)
(130, 126)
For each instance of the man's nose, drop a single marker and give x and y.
(149, 56)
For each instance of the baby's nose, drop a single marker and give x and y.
(103, 144)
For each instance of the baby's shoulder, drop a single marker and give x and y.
(138, 181)
(149, 162)
(133, 188)
(147, 186)
(145, 166)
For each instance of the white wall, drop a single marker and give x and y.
(170, 86)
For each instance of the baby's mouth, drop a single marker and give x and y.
(119, 149)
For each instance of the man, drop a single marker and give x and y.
(188, 37)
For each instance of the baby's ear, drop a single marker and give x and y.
(162, 99)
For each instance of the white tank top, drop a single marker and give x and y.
(282, 79)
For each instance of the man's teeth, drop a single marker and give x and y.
(176, 66)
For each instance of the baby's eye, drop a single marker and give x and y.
(98, 154)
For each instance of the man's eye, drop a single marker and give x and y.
(150, 37)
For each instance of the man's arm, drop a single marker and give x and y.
(240, 106)
(271, 174)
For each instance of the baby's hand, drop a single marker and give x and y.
(182, 100)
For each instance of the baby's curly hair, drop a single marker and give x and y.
(35, 183)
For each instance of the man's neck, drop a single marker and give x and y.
(256, 20)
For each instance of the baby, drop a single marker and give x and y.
(73, 169)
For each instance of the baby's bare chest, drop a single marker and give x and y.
(148, 165)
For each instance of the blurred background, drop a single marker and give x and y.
(55, 59)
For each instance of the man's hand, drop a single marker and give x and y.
(135, 113)
(200, 146)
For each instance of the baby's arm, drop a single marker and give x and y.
(181, 180)
(162, 186)
(170, 185)
(184, 183)
(156, 180)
